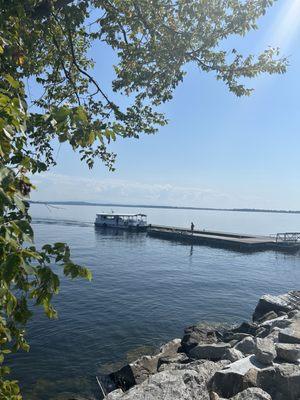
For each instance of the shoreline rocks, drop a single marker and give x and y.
(136, 372)
(265, 351)
(213, 352)
(257, 360)
(283, 303)
(289, 352)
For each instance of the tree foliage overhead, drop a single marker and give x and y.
(50, 43)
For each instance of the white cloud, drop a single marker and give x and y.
(55, 187)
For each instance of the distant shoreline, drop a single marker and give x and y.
(85, 203)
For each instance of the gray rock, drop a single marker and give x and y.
(233, 355)
(250, 378)
(114, 395)
(184, 384)
(294, 314)
(246, 346)
(239, 332)
(281, 313)
(290, 334)
(170, 348)
(214, 396)
(214, 351)
(252, 394)
(279, 322)
(236, 377)
(246, 327)
(195, 365)
(237, 336)
(286, 302)
(194, 335)
(288, 352)
(273, 335)
(137, 371)
(164, 362)
(262, 332)
(282, 381)
(265, 351)
(266, 317)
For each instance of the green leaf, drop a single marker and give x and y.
(27, 230)
(13, 82)
(5, 198)
(19, 202)
(60, 114)
(4, 172)
(10, 267)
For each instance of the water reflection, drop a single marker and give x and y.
(102, 234)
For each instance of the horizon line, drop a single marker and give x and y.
(87, 203)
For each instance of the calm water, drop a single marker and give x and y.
(144, 292)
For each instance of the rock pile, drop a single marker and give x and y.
(258, 360)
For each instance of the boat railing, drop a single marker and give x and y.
(290, 237)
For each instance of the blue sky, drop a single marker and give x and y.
(217, 150)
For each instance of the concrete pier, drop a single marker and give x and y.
(226, 240)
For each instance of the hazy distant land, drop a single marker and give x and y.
(85, 203)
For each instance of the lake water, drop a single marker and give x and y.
(144, 291)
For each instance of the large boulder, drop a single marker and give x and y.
(273, 335)
(285, 302)
(193, 335)
(214, 351)
(282, 381)
(267, 317)
(170, 348)
(189, 382)
(136, 372)
(252, 394)
(290, 334)
(289, 352)
(265, 351)
(234, 336)
(167, 362)
(295, 314)
(246, 327)
(236, 377)
(233, 355)
(279, 322)
(246, 345)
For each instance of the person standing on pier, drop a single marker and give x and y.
(192, 227)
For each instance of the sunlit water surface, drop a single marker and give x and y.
(144, 292)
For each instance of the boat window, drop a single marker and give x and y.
(106, 217)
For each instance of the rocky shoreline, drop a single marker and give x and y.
(257, 360)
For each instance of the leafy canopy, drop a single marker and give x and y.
(51, 43)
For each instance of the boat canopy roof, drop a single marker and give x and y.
(121, 215)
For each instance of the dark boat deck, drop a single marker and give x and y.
(235, 241)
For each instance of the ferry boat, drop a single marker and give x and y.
(136, 222)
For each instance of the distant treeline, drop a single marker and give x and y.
(85, 203)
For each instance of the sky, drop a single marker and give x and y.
(217, 150)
